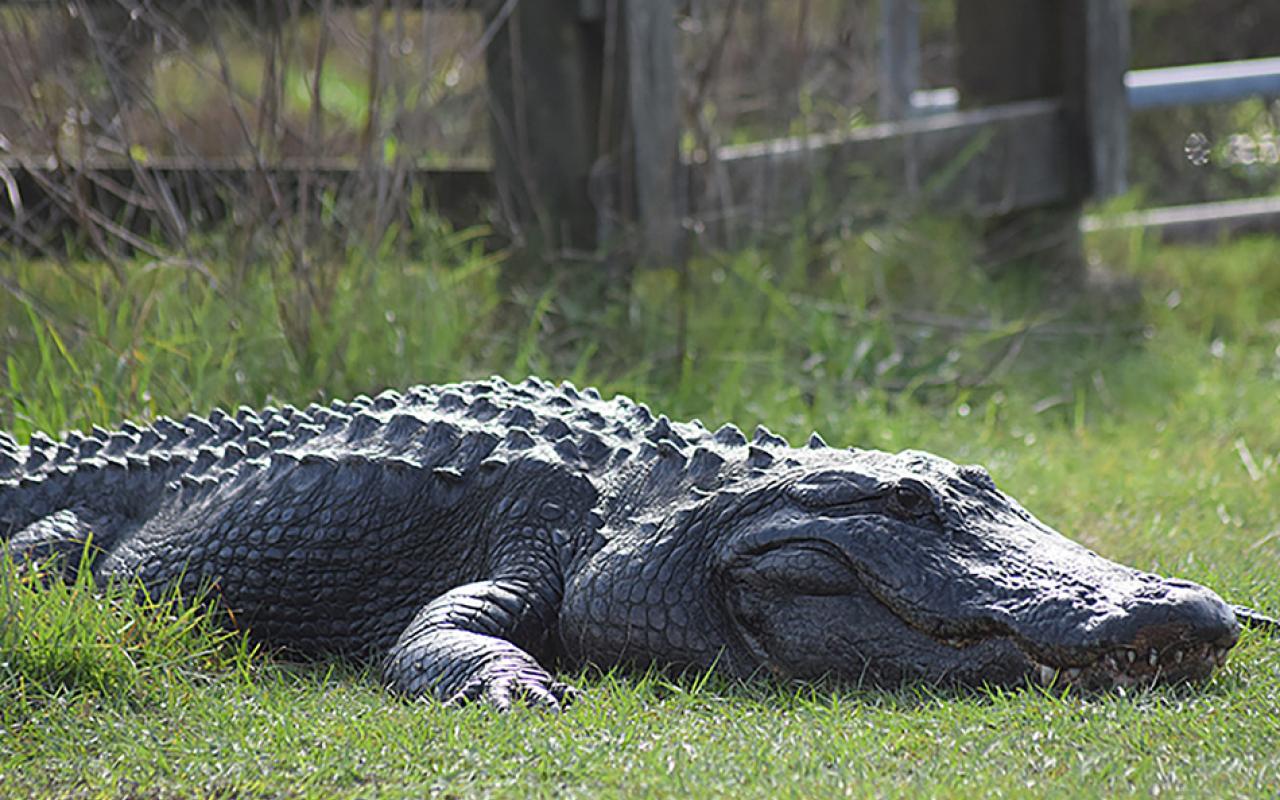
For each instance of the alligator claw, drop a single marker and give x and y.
(567, 695)
(500, 687)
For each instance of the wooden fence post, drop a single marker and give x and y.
(899, 57)
(647, 151)
(1103, 98)
(1074, 49)
(583, 116)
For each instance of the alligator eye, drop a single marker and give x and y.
(911, 498)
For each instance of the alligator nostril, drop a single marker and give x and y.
(1182, 614)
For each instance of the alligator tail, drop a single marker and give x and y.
(100, 491)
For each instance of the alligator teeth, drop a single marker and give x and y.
(1116, 666)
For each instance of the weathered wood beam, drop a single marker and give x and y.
(544, 70)
(1103, 96)
(38, 199)
(1076, 50)
(899, 57)
(649, 148)
(584, 126)
(987, 161)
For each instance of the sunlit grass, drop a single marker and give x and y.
(1150, 434)
(61, 639)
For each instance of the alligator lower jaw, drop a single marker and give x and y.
(1125, 668)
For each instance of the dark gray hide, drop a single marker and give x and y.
(469, 536)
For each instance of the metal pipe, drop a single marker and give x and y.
(1195, 84)
(1203, 83)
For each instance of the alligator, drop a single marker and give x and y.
(474, 538)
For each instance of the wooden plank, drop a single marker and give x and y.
(654, 129)
(1012, 50)
(1104, 98)
(1202, 222)
(1009, 50)
(585, 127)
(545, 72)
(899, 57)
(987, 161)
(37, 199)
(1075, 49)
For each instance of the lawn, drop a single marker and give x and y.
(1147, 432)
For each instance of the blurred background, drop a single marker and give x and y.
(229, 78)
(231, 200)
(393, 86)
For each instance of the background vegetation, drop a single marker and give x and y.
(1139, 418)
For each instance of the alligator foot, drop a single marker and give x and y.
(468, 645)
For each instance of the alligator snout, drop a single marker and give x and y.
(1184, 612)
(1175, 633)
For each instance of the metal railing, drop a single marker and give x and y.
(1193, 84)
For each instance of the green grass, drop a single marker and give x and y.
(1151, 435)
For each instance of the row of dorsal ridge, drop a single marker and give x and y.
(730, 435)
(275, 427)
(533, 410)
(207, 460)
(269, 428)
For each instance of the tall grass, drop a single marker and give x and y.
(879, 318)
(71, 638)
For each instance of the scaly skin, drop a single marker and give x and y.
(470, 536)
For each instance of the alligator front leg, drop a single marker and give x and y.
(474, 642)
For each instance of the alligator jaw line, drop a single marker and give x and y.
(1126, 667)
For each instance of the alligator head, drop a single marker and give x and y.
(882, 569)
(909, 567)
